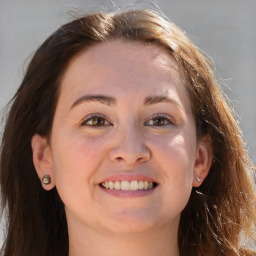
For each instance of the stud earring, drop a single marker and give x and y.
(198, 179)
(46, 179)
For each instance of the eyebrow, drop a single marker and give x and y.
(106, 100)
(110, 101)
(150, 100)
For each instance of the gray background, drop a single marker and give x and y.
(224, 29)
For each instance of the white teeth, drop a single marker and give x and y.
(127, 185)
(117, 185)
(141, 184)
(134, 185)
(111, 185)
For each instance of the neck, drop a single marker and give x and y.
(150, 243)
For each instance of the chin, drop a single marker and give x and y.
(132, 223)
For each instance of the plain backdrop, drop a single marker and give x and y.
(224, 29)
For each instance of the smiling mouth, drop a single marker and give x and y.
(126, 185)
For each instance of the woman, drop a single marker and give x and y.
(119, 142)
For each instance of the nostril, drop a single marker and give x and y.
(129, 155)
(140, 159)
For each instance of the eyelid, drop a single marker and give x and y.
(161, 115)
(96, 115)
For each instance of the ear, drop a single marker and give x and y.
(203, 160)
(42, 159)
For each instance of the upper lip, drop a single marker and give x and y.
(129, 177)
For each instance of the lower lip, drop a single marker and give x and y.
(129, 193)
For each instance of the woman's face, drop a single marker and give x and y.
(123, 124)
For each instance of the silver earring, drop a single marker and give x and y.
(198, 179)
(46, 179)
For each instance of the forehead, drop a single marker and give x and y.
(137, 52)
(120, 67)
(108, 55)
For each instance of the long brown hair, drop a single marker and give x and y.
(218, 212)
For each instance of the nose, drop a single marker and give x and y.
(129, 147)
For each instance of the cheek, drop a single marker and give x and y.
(176, 156)
(76, 158)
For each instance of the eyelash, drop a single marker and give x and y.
(164, 118)
(89, 121)
(97, 118)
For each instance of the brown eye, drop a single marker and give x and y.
(95, 121)
(160, 120)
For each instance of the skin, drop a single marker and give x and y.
(129, 135)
